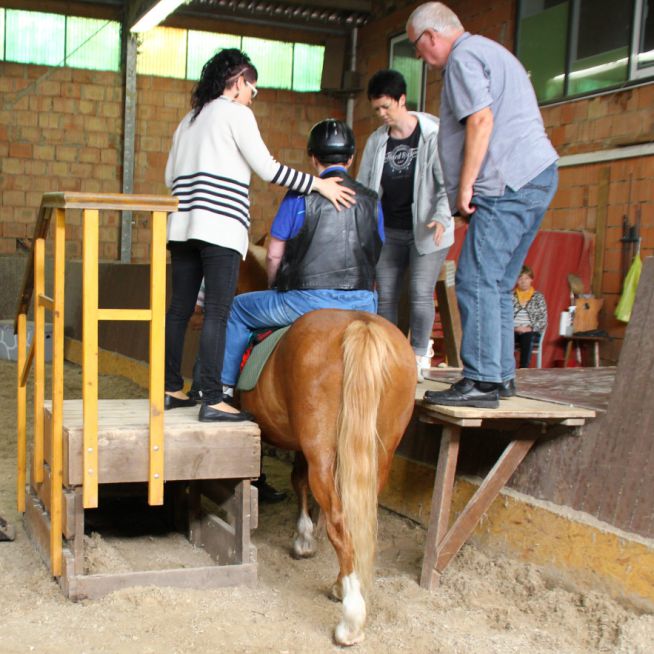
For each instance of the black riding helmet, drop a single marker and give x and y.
(331, 141)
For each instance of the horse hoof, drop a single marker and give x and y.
(299, 552)
(345, 638)
(304, 547)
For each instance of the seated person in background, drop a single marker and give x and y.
(318, 257)
(529, 315)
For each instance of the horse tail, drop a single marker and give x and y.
(366, 357)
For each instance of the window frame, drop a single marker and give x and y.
(392, 43)
(634, 75)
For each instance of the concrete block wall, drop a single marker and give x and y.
(61, 129)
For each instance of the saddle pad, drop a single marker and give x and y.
(257, 360)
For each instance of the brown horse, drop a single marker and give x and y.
(339, 390)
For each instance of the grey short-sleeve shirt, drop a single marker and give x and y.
(481, 73)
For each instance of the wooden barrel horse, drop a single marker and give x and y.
(339, 390)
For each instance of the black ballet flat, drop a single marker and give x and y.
(208, 414)
(172, 402)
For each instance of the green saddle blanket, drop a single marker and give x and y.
(257, 360)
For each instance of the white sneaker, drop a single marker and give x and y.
(425, 361)
(422, 362)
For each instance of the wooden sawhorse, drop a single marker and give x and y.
(444, 541)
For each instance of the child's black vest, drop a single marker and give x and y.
(334, 249)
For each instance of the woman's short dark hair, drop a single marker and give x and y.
(220, 73)
(386, 82)
(526, 270)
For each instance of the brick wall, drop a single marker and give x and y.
(61, 129)
(592, 197)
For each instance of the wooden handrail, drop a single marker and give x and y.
(74, 200)
(55, 205)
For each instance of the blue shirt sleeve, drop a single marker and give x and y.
(289, 218)
(469, 83)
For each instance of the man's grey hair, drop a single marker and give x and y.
(435, 16)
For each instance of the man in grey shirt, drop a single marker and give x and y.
(500, 173)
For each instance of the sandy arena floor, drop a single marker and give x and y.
(483, 606)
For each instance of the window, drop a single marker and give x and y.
(170, 52)
(572, 47)
(273, 60)
(403, 59)
(162, 52)
(202, 46)
(34, 37)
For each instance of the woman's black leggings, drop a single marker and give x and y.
(191, 261)
(525, 342)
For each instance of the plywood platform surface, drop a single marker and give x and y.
(512, 408)
(115, 415)
(192, 449)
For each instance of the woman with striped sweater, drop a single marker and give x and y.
(215, 149)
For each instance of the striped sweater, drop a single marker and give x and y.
(209, 169)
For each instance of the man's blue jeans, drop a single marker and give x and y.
(500, 233)
(262, 309)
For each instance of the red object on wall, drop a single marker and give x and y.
(552, 256)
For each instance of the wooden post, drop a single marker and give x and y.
(38, 339)
(440, 503)
(448, 310)
(21, 413)
(56, 434)
(90, 355)
(157, 353)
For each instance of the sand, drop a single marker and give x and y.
(484, 605)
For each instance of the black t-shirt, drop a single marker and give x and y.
(397, 180)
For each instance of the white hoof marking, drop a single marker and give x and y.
(350, 629)
(304, 544)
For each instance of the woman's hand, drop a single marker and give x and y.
(439, 230)
(197, 318)
(332, 189)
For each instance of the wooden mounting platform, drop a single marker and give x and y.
(215, 461)
(524, 419)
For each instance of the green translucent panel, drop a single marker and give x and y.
(307, 67)
(403, 60)
(601, 56)
(204, 45)
(33, 37)
(162, 52)
(599, 71)
(2, 32)
(542, 49)
(92, 43)
(273, 59)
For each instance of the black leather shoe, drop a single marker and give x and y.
(208, 414)
(267, 493)
(465, 392)
(507, 389)
(172, 402)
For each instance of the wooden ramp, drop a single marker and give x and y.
(215, 461)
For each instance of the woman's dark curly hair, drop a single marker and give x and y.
(220, 73)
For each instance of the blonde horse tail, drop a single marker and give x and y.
(366, 357)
